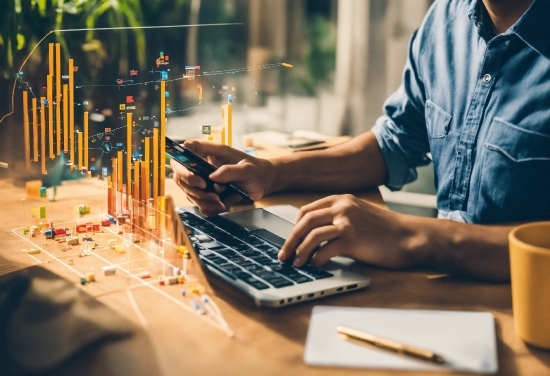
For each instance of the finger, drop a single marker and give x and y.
(231, 200)
(326, 252)
(205, 148)
(232, 173)
(325, 202)
(310, 221)
(205, 201)
(182, 173)
(312, 241)
(196, 192)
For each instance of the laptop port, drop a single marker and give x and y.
(339, 289)
(298, 298)
(289, 300)
(322, 293)
(310, 295)
(351, 287)
(282, 302)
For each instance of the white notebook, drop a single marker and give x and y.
(466, 340)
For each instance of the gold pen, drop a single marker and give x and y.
(388, 344)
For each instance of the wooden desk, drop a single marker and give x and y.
(270, 342)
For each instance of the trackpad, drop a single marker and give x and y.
(269, 236)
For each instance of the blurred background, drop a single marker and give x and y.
(347, 58)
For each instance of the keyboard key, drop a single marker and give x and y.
(248, 279)
(281, 282)
(300, 279)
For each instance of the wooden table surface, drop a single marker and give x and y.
(267, 341)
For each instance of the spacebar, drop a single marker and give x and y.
(269, 236)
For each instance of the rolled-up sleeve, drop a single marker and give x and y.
(401, 131)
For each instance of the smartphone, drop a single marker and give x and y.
(201, 167)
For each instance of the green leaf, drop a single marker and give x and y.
(17, 4)
(42, 7)
(20, 41)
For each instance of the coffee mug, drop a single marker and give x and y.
(530, 276)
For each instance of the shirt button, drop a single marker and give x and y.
(487, 78)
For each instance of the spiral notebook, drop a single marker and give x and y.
(466, 340)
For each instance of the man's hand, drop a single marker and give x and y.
(350, 227)
(347, 226)
(248, 173)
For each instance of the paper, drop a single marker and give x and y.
(466, 340)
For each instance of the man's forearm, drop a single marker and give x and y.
(354, 165)
(479, 251)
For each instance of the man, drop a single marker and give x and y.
(476, 94)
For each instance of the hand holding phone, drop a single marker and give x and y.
(202, 168)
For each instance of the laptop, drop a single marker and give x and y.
(241, 247)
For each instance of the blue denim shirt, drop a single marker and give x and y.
(480, 104)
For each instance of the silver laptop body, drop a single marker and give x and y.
(253, 267)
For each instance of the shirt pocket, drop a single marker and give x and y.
(515, 181)
(437, 120)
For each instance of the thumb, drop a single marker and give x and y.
(211, 149)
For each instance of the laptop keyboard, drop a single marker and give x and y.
(239, 254)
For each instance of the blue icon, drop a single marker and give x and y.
(164, 76)
(106, 147)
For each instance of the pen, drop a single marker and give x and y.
(388, 344)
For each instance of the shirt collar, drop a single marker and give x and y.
(533, 27)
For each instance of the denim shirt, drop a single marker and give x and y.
(480, 104)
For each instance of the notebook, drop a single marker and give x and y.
(466, 340)
(241, 247)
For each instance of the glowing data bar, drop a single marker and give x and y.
(58, 96)
(162, 156)
(147, 173)
(156, 163)
(65, 100)
(119, 171)
(79, 150)
(144, 181)
(51, 65)
(49, 93)
(137, 180)
(71, 111)
(26, 129)
(129, 127)
(86, 141)
(34, 130)
(43, 134)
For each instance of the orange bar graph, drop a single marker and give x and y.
(80, 164)
(86, 141)
(71, 111)
(26, 129)
(156, 163)
(49, 93)
(129, 127)
(58, 96)
(43, 134)
(34, 130)
(65, 100)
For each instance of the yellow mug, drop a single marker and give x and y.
(530, 276)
